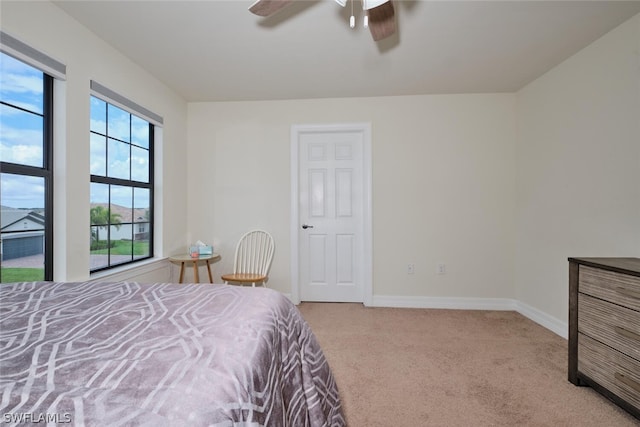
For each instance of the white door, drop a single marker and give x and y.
(333, 203)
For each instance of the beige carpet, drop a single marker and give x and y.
(414, 367)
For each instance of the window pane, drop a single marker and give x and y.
(139, 132)
(99, 214)
(142, 226)
(141, 248)
(122, 202)
(98, 155)
(98, 116)
(122, 249)
(99, 255)
(21, 137)
(121, 224)
(118, 123)
(22, 192)
(20, 84)
(118, 159)
(139, 164)
(121, 209)
(99, 194)
(23, 227)
(141, 203)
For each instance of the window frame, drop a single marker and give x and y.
(46, 170)
(129, 183)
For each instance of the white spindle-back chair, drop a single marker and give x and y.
(253, 257)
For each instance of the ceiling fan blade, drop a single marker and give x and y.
(267, 7)
(370, 4)
(382, 21)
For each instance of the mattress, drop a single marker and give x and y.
(160, 354)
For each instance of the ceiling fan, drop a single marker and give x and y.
(379, 14)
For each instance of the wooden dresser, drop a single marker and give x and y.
(604, 328)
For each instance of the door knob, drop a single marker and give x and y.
(305, 226)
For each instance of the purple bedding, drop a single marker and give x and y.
(159, 354)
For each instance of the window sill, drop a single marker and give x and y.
(133, 272)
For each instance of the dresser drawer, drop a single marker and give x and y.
(615, 326)
(621, 289)
(611, 369)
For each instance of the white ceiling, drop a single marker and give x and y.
(213, 50)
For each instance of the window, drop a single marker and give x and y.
(121, 208)
(26, 162)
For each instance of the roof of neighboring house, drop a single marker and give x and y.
(139, 215)
(11, 216)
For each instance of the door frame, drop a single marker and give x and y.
(367, 205)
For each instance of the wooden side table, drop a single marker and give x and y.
(182, 259)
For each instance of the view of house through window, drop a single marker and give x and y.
(121, 208)
(25, 178)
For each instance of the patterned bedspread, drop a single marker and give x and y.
(159, 354)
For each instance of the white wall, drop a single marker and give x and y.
(443, 185)
(500, 187)
(578, 166)
(47, 28)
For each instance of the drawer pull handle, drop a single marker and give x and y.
(628, 381)
(628, 292)
(627, 333)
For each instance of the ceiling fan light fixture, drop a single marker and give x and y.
(342, 3)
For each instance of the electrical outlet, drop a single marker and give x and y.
(410, 268)
(442, 268)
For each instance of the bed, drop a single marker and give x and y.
(160, 354)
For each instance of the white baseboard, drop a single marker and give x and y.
(444, 302)
(540, 317)
(505, 304)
